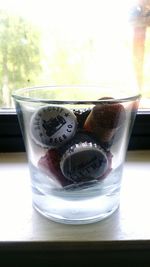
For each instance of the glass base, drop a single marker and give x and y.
(74, 211)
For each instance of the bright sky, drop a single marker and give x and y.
(103, 20)
(79, 11)
(76, 19)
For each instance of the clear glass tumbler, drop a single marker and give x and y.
(76, 144)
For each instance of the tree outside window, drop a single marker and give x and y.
(20, 55)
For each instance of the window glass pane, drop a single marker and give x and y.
(58, 42)
(146, 71)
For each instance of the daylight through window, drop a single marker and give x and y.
(90, 42)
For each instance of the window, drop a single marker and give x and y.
(73, 42)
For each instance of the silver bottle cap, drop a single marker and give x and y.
(83, 162)
(52, 126)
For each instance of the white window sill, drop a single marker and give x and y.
(20, 222)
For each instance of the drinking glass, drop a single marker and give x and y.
(76, 139)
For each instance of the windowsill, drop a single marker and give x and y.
(23, 228)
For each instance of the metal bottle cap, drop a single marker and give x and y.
(52, 126)
(84, 162)
(81, 115)
(50, 165)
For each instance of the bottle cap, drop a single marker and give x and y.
(81, 115)
(79, 137)
(84, 162)
(50, 165)
(52, 126)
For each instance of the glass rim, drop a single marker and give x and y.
(17, 95)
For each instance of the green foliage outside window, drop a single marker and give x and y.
(30, 56)
(20, 55)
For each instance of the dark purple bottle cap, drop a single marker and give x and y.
(84, 162)
(53, 126)
(79, 137)
(81, 115)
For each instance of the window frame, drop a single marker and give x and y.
(11, 137)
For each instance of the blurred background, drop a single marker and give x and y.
(92, 42)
